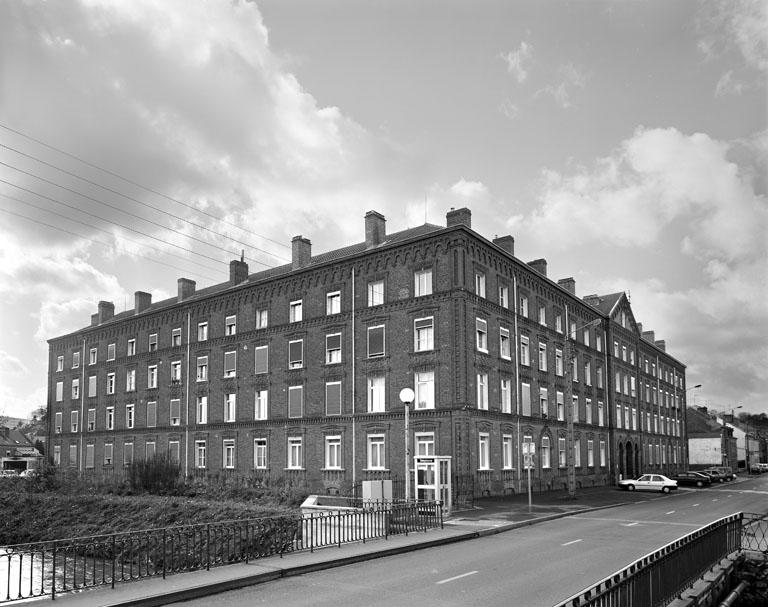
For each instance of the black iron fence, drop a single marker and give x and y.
(51, 568)
(754, 533)
(658, 578)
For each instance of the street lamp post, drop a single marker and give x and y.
(406, 397)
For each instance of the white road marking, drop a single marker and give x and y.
(671, 512)
(695, 505)
(630, 524)
(625, 520)
(456, 577)
(569, 543)
(715, 500)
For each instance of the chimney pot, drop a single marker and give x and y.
(661, 345)
(540, 265)
(142, 301)
(186, 288)
(649, 336)
(301, 252)
(375, 229)
(569, 284)
(505, 242)
(459, 217)
(238, 271)
(106, 311)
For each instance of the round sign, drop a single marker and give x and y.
(407, 395)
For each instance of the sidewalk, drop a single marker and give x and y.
(488, 516)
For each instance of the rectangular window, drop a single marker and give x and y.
(483, 451)
(92, 386)
(559, 323)
(626, 385)
(634, 418)
(130, 380)
(175, 412)
(295, 401)
(108, 453)
(543, 315)
(202, 368)
(546, 458)
(599, 342)
(176, 337)
(375, 293)
(176, 372)
(591, 453)
(202, 409)
(73, 421)
(482, 391)
(200, 454)
(73, 455)
(626, 418)
(333, 303)
(425, 389)
(526, 398)
(589, 411)
(295, 455)
(618, 382)
(261, 404)
(602, 454)
(573, 330)
(523, 310)
(295, 311)
(111, 352)
(296, 354)
(260, 453)
(542, 357)
(632, 386)
(332, 453)
(109, 418)
(149, 450)
(425, 443)
(575, 368)
(333, 398)
(505, 350)
(376, 341)
(506, 452)
(59, 363)
(151, 414)
(376, 394)
(525, 352)
(152, 376)
(423, 334)
(504, 297)
(480, 284)
(230, 364)
(561, 452)
(560, 405)
(422, 282)
(577, 453)
(131, 347)
(153, 342)
(261, 355)
(92, 355)
(599, 377)
(558, 362)
(333, 349)
(575, 407)
(202, 331)
(110, 383)
(481, 334)
(588, 373)
(127, 454)
(615, 349)
(75, 389)
(75, 360)
(262, 319)
(376, 452)
(228, 455)
(58, 422)
(543, 402)
(506, 396)
(59, 391)
(129, 416)
(230, 325)
(600, 413)
(230, 407)
(624, 353)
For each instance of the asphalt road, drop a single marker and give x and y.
(534, 566)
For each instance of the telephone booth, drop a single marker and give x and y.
(433, 479)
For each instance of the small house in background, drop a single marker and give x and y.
(17, 453)
(710, 443)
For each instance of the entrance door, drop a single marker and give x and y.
(433, 480)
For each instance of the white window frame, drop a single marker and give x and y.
(228, 454)
(333, 303)
(230, 325)
(262, 318)
(481, 335)
(93, 355)
(480, 284)
(257, 351)
(377, 452)
(372, 354)
(504, 296)
(424, 382)
(130, 416)
(333, 389)
(176, 337)
(260, 453)
(201, 455)
(525, 351)
(202, 331)
(507, 451)
(296, 310)
(152, 343)
(482, 391)
(295, 453)
(483, 451)
(131, 350)
(111, 348)
(261, 404)
(332, 459)
(505, 394)
(230, 407)
(152, 376)
(332, 354)
(542, 356)
(377, 393)
(505, 344)
(202, 409)
(151, 414)
(375, 293)
(424, 334)
(230, 363)
(111, 382)
(293, 391)
(422, 282)
(109, 418)
(293, 361)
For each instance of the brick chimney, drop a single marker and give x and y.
(640, 328)
(649, 336)
(375, 229)
(540, 265)
(186, 288)
(459, 217)
(95, 320)
(142, 301)
(661, 345)
(592, 300)
(106, 311)
(505, 242)
(569, 284)
(302, 252)
(238, 271)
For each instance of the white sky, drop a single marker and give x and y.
(625, 142)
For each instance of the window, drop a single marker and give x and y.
(175, 412)
(542, 357)
(558, 362)
(602, 453)
(202, 409)
(228, 455)
(75, 360)
(481, 333)
(624, 353)
(425, 443)
(504, 297)
(59, 391)
(295, 456)
(73, 455)
(152, 376)
(561, 452)
(202, 331)
(230, 364)
(634, 418)
(632, 357)
(575, 407)
(376, 452)
(480, 284)
(59, 363)
(523, 310)
(506, 452)
(422, 282)
(543, 402)
(588, 409)
(151, 414)
(332, 453)
(376, 341)
(483, 451)
(230, 407)
(560, 405)
(111, 352)
(526, 398)
(506, 396)
(504, 347)
(423, 334)
(200, 455)
(577, 453)
(591, 453)
(626, 385)
(130, 380)
(202, 368)
(129, 416)
(176, 337)
(149, 450)
(109, 418)
(176, 372)
(92, 386)
(588, 373)
(296, 354)
(333, 349)
(295, 401)
(261, 355)
(525, 354)
(260, 453)
(618, 416)
(599, 377)
(559, 323)
(626, 418)
(599, 342)
(546, 457)
(75, 389)
(108, 453)
(127, 454)
(73, 421)
(425, 389)
(262, 319)
(92, 354)
(376, 394)
(333, 303)
(543, 315)
(295, 311)
(618, 382)
(153, 342)
(573, 330)
(110, 383)
(632, 386)
(333, 398)
(230, 325)
(586, 337)
(375, 293)
(482, 391)
(131, 347)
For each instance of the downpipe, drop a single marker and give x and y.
(734, 595)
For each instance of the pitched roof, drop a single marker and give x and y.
(606, 303)
(700, 424)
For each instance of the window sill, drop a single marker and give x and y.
(295, 469)
(332, 470)
(376, 470)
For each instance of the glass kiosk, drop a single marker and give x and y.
(433, 479)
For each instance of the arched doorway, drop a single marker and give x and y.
(621, 462)
(630, 455)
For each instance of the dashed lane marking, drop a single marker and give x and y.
(456, 577)
(569, 543)
(671, 512)
(630, 524)
(625, 520)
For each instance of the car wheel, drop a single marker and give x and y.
(630, 487)
(699, 484)
(721, 480)
(665, 489)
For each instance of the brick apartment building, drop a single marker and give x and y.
(294, 372)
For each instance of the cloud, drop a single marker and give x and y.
(11, 365)
(518, 61)
(509, 109)
(728, 85)
(571, 77)
(470, 189)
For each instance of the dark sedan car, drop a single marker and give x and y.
(715, 475)
(693, 479)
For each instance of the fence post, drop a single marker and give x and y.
(208, 546)
(53, 578)
(165, 531)
(114, 549)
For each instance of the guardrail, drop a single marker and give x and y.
(55, 567)
(659, 577)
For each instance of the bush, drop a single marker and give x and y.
(158, 475)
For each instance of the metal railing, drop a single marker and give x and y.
(754, 533)
(658, 578)
(55, 567)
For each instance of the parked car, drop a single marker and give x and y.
(28, 473)
(693, 479)
(649, 482)
(726, 472)
(759, 468)
(716, 475)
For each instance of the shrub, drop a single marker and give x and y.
(159, 475)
